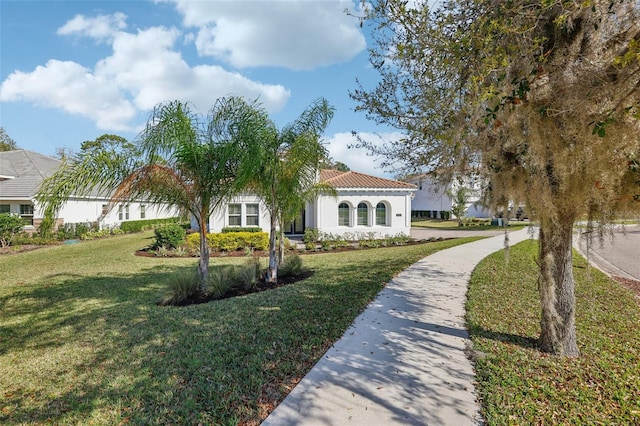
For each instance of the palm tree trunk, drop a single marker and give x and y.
(556, 285)
(272, 272)
(281, 243)
(203, 262)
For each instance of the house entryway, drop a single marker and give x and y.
(297, 226)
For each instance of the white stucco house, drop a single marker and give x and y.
(21, 173)
(432, 196)
(364, 204)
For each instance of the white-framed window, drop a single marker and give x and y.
(381, 214)
(235, 214)
(5, 208)
(343, 214)
(104, 209)
(143, 211)
(26, 213)
(363, 214)
(252, 215)
(123, 212)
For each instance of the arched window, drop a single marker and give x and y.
(381, 214)
(363, 214)
(343, 214)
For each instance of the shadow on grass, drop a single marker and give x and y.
(99, 347)
(79, 348)
(514, 339)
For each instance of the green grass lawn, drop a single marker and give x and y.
(518, 384)
(82, 341)
(452, 225)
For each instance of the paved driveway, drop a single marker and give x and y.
(618, 256)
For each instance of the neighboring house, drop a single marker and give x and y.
(363, 205)
(21, 173)
(433, 196)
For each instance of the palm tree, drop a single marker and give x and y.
(287, 172)
(182, 162)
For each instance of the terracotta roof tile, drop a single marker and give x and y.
(352, 179)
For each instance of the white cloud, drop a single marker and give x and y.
(340, 147)
(101, 27)
(145, 65)
(74, 89)
(143, 71)
(295, 34)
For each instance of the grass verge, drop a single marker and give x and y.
(520, 385)
(82, 341)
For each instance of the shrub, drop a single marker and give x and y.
(311, 235)
(241, 229)
(291, 267)
(231, 241)
(69, 231)
(192, 243)
(10, 226)
(182, 287)
(33, 239)
(169, 236)
(131, 226)
(399, 239)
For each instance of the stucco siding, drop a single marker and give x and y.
(222, 216)
(397, 213)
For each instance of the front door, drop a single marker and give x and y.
(296, 226)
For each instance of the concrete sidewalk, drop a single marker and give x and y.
(402, 362)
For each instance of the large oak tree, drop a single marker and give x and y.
(541, 98)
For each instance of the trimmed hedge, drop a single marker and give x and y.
(230, 241)
(140, 225)
(240, 229)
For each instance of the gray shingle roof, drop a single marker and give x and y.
(21, 173)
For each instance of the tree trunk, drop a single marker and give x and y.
(556, 285)
(203, 262)
(272, 272)
(281, 244)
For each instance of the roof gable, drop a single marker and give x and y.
(23, 171)
(354, 180)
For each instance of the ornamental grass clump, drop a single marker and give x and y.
(182, 287)
(291, 267)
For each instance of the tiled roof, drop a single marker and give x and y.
(22, 172)
(351, 179)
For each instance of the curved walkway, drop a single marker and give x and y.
(402, 361)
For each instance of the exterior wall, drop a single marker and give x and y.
(430, 196)
(433, 197)
(323, 213)
(220, 217)
(474, 201)
(89, 210)
(14, 208)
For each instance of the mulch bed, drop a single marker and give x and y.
(632, 285)
(20, 248)
(148, 252)
(261, 286)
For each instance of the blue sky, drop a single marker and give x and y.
(73, 70)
